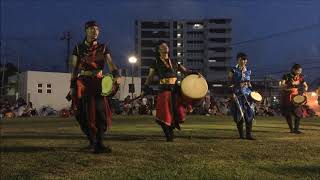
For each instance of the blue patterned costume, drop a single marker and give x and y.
(243, 106)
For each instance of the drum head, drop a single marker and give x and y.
(106, 84)
(256, 96)
(194, 86)
(299, 99)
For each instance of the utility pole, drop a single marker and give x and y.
(18, 80)
(67, 37)
(2, 80)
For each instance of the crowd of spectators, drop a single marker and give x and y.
(20, 108)
(209, 106)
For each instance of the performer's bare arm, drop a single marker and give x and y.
(150, 76)
(282, 84)
(75, 68)
(305, 85)
(109, 62)
(112, 67)
(230, 75)
(148, 80)
(183, 69)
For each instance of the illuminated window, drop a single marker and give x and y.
(197, 26)
(178, 35)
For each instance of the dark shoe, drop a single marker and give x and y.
(177, 125)
(249, 131)
(249, 137)
(297, 132)
(100, 148)
(169, 139)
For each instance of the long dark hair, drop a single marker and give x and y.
(157, 53)
(295, 67)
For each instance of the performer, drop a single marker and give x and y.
(292, 84)
(170, 110)
(93, 111)
(243, 106)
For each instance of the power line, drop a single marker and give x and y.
(67, 37)
(308, 27)
(283, 71)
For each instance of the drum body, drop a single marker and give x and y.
(256, 96)
(193, 89)
(108, 86)
(299, 100)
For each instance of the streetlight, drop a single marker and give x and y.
(132, 61)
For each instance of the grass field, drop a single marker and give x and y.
(206, 148)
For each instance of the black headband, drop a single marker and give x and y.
(90, 24)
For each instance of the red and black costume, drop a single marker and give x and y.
(170, 110)
(93, 111)
(288, 109)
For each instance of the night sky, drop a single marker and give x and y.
(274, 33)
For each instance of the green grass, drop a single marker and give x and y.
(206, 148)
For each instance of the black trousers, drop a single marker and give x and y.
(288, 112)
(296, 125)
(248, 128)
(82, 117)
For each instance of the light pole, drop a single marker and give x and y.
(132, 61)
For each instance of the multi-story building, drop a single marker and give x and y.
(202, 44)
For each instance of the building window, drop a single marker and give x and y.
(49, 88)
(39, 87)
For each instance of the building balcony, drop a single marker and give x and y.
(218, 26)
(219, 54)
(219, 35)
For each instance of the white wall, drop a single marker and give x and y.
(124, 87)
(60, 83)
